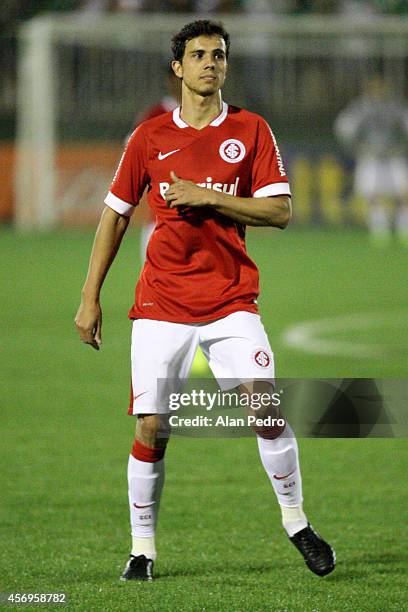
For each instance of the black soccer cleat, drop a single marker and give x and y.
(138, 568)
(319, 557)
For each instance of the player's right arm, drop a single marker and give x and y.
(109, 234)
(126, 190)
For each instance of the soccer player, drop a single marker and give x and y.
(211, 169)
(375, 127)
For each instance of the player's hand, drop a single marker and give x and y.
(187, 193)
(88, 322)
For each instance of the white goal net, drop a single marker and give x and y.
(81, 83)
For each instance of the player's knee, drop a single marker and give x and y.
(260, 399)
(149, 424)
(266, 412)
(153, 430)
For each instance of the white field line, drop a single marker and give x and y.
(309, 336)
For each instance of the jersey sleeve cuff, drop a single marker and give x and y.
(274, 189)
(118, 205)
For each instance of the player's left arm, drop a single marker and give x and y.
(272, 211)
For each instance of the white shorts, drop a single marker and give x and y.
(382, 178)
(236, 347)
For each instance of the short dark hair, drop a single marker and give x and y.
(201, 27)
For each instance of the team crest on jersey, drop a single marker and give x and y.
(232, 151)
(262, 358)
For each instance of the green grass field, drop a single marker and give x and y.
(65, 439)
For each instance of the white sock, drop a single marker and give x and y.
(144, 546)
(280, 458)
(145, 481)
(293, 519)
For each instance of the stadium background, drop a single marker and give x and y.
(65, 436)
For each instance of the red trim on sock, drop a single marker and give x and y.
(145, 453)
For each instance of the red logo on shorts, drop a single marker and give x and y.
(262, 359)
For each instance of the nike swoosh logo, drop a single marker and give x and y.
(164, 155)
(139, 395)
(283, 477)
(144, 505)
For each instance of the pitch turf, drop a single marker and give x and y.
(65, 440)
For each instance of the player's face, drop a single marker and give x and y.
(204, 65)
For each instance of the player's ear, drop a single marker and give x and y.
(177, 68)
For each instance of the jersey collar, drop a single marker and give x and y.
(214, 123)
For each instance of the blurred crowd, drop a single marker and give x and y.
(250, 6)
(13, 11)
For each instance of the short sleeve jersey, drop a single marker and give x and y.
(197, 268)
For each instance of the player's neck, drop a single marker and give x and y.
(199, 111)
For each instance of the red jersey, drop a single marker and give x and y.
(197, 268)
(167, 104)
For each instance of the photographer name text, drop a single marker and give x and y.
(225, 421)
